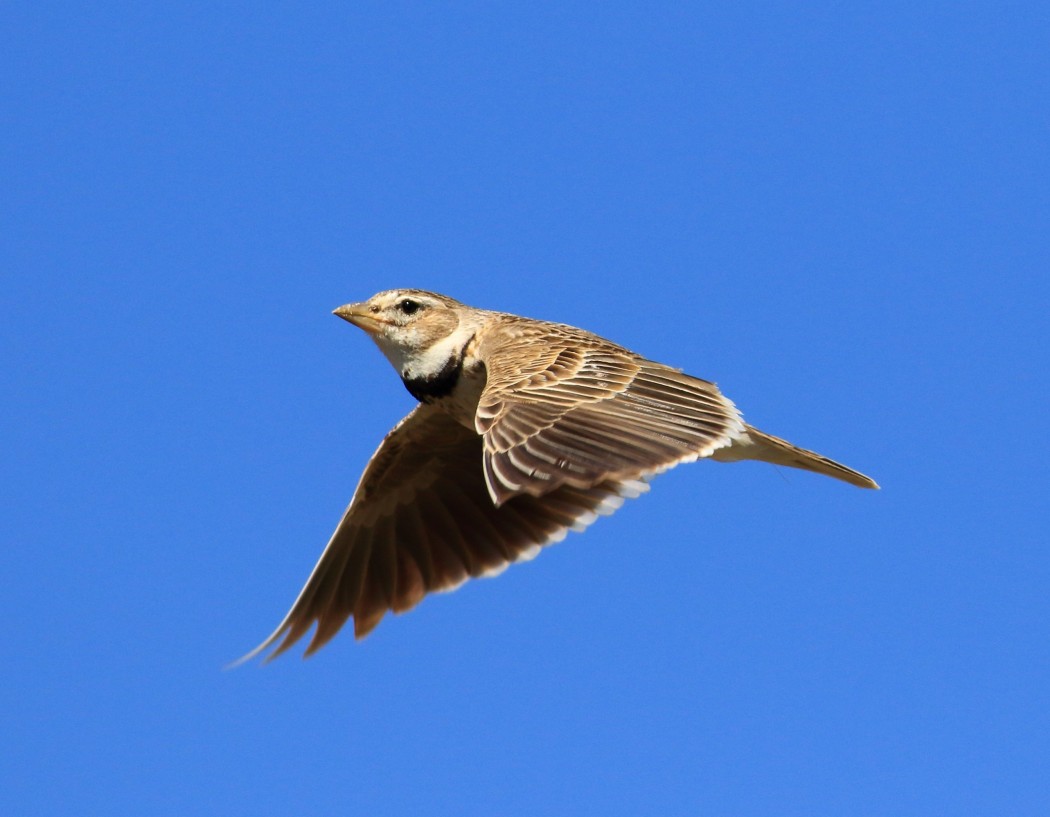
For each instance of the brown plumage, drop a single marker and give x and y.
(526, 430)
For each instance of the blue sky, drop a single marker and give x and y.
(840, 212)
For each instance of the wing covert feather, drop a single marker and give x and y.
(564, 407)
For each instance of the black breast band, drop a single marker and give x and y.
(426, 389)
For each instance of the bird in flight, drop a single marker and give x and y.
(524, 431)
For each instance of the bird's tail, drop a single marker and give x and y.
(757, 445)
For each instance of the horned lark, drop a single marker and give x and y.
(524, 430)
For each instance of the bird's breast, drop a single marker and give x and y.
(435, 385)
(455, 393)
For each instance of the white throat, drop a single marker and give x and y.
(412, 361)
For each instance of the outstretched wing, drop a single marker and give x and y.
(421, 520)
(564, 407)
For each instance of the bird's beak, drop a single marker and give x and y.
(358, 315)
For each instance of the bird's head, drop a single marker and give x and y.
(418, 331)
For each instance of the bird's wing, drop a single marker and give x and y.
(564, 407)
(421, 520)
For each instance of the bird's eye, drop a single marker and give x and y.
(409, 307)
